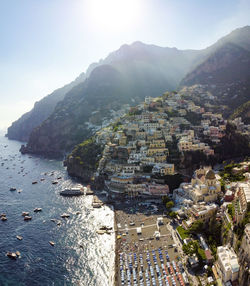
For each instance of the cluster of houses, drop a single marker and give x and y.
(136, 159)
(136, 147)
(200, 200)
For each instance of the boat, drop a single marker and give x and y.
(12, 189)
(37, 210)
(35, 182)
(54, 182)
(64, 215)
(3, 218)
(25, 213)
(105, 227)
(18, 253)
(11, 255)
(2, 214)
(99, 231)
(72, 192)
(58, 178)
(42, 179)
(51, 243)
(19, 237)
(27, 217)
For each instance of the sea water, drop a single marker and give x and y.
(80, 256)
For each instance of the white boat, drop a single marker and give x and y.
(76, 191)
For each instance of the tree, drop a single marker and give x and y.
(169, 205)
(196, 227)
(173, 214)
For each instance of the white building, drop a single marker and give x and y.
(228, 264)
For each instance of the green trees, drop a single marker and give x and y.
(169, 205)
(193, 247)
(196, 227)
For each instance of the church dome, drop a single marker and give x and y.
(210, 175)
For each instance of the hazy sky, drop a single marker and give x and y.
(45, 44)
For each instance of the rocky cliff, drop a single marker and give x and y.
(83, 160)
(21, 129)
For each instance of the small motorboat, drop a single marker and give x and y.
(18, 253)
(35, 182)
(12, 189)
(52, 243)
(54, 182)
(3, 218)
(100, 231)
(19, 237)
(53, 219)
(25, 213)
(58, 178)
(42, 179)
(2, 214)
(11, 255)
(64, 215)
(27, 217)
(37, 210)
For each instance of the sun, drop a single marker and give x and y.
(114, 15)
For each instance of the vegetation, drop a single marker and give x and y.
(232, 145)
(193, 247)
(231, 211)
(243, 112)
(169, 205)
(193, 118)
(87, 154)
(227, 175)
(182, 232)
(196, 227)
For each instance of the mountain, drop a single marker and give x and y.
(21, 129)
(135, 71)
(124, 77)
(224, 72)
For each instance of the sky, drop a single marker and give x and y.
(45, 44)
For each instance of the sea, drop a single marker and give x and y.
(80, 256)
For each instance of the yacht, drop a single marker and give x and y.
(76, 191)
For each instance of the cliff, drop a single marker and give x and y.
(83, 160)
(21, 129)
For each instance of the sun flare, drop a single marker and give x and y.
(114, 15)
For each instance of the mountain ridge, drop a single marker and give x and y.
(140, 70)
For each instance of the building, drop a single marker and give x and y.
(204, 187)
(163, 169)
(242, 201)
(245, 245)
(228, 264)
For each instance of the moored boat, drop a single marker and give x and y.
(25, 213)
(37, 210)
(27, 217)
(12, 189)
(64, 215)
(11, 255)
(72, 192)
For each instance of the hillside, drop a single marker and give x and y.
(21, 128)
(138, 70)
(124, 77)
